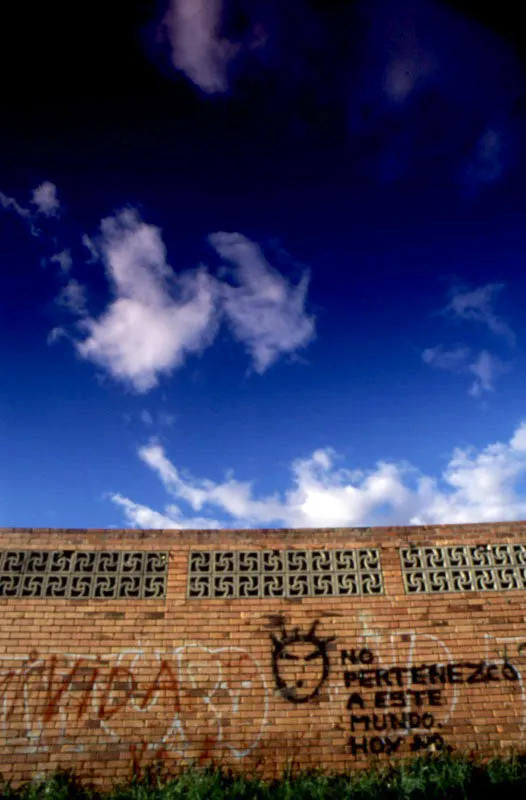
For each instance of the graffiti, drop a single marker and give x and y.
(398, 699)
(461, 672)
(395, 698)
(394, 722)
(415, 721)
(300, 663)
(188, 701)
(513, 648)
(378, 745)
(420, 722)
(387, 692)
(384, 671)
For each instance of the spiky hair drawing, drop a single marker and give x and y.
(316, 655)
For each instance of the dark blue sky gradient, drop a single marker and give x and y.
(390, 203)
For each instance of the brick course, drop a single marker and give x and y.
(109, 686)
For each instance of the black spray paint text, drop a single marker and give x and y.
(409, 697)
(468, 672)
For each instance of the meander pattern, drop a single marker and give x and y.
(284, 573)
(463, 568)
(238, 574)
(83, 574)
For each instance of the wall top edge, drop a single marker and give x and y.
(229, 537)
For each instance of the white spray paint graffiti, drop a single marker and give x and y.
(209, 695)
(509, 648)
(209, 687)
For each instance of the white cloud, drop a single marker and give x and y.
(197, 50)
(45, 199)
(232, 496)
(146, 417)
(476, 306)
(158, 318)
(480, 486)
(264, 311)
(143, 517)
(476, 486)
(73, 297)
(145, 331)
(518, 440)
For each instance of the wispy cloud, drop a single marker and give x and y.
(56, 334)
(72, 297)
(145, 332)
(11, 204)
(476, 305)
(475, 486)
(157, 317)
(485, 366)
(265, 312)
(409, 63)
(451, 83)
(487, 163)
(197, 49)
(91, 247)
(454, 104)
(140, 516)
(158, 419)
(44, 197)
(63, 259)
(165, 419)
(46, 200)
(453, 360)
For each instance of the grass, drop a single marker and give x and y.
(434, 777)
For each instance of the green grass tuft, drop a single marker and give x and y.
(428, 778)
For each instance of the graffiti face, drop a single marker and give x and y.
(300, 664)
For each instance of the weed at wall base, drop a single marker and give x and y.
(426, 778)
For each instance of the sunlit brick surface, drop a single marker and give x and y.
(312, 677)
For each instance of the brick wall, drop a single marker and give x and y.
(305, 670)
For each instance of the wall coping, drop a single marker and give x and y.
(381, 536)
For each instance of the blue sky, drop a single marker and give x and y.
(307, 313)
